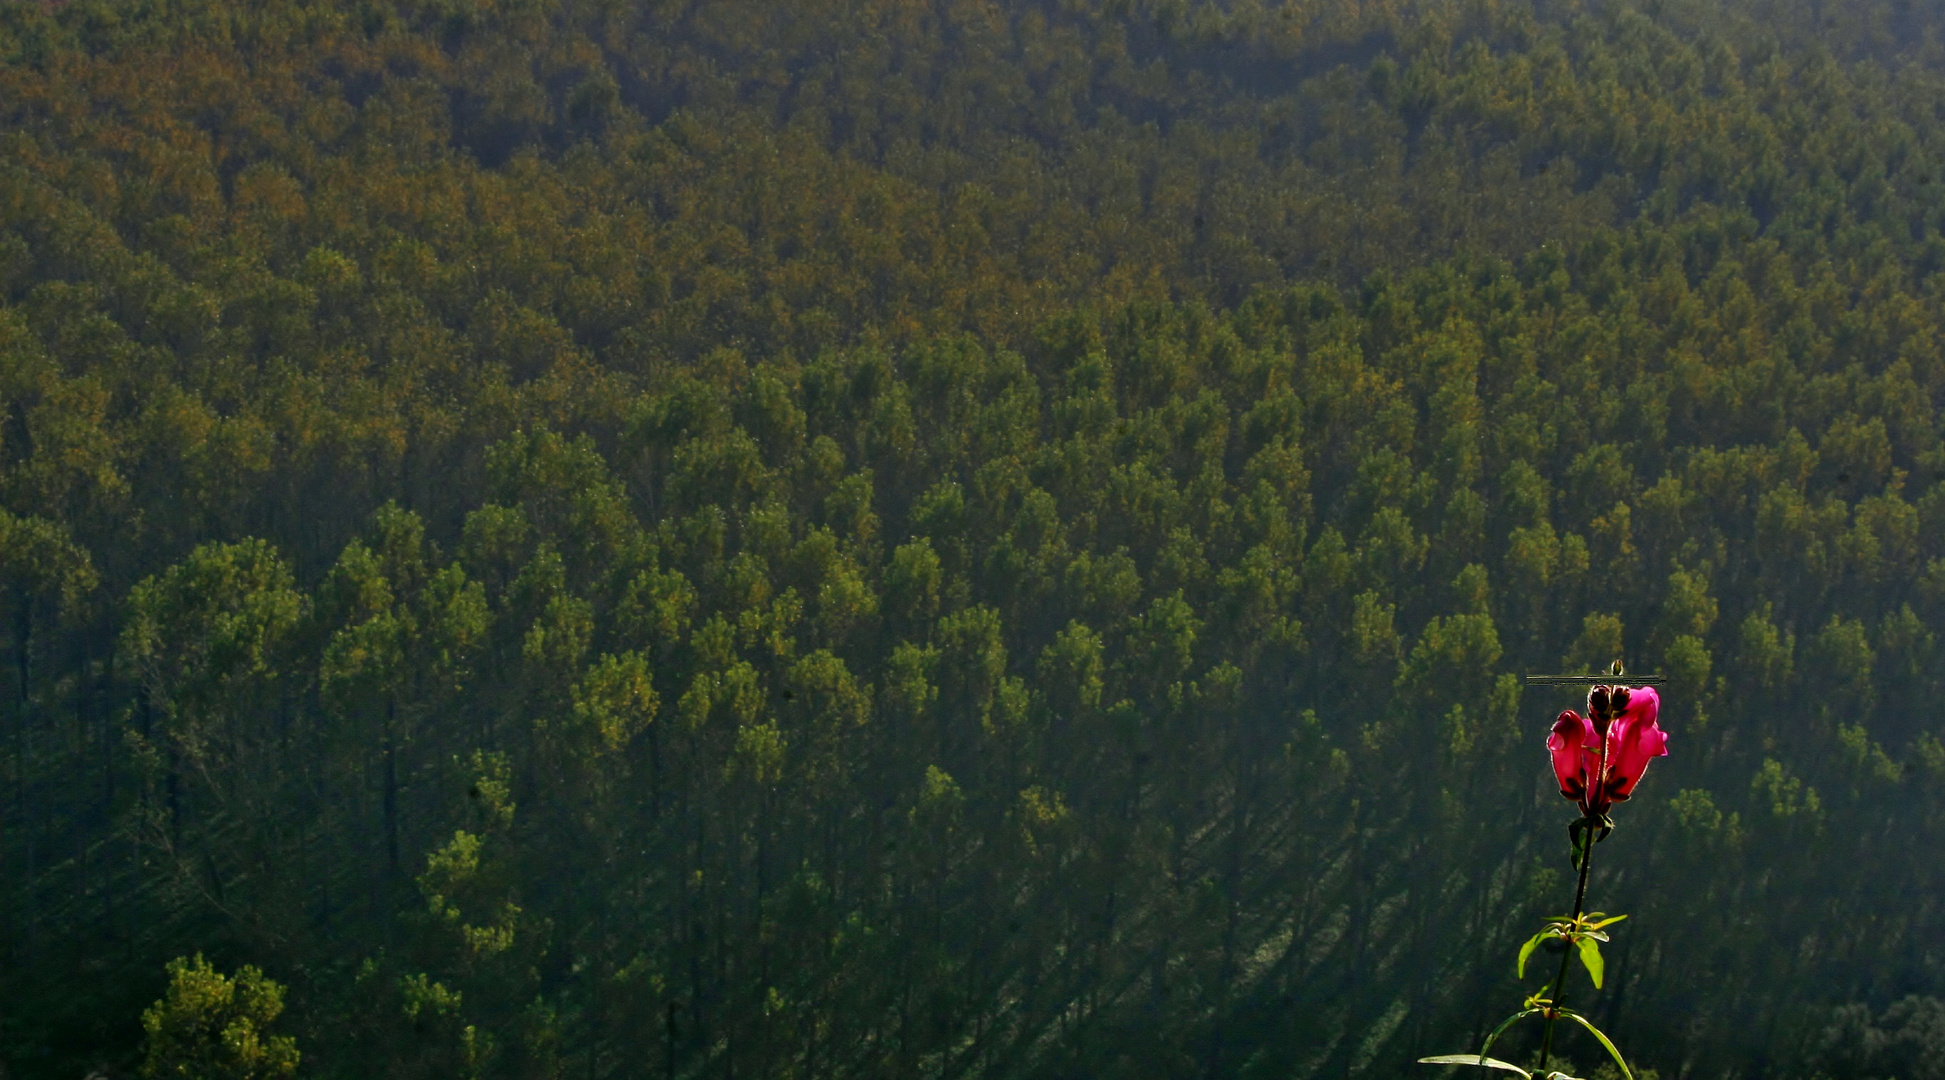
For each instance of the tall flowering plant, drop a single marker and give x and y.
(1598, 759)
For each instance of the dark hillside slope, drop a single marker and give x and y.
(950, 539)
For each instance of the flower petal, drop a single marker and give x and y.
(1638, 739)
(1571, 734)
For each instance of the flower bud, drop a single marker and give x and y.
(1598, 700)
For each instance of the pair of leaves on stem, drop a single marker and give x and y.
(1534, 1006)
(1585, 832)
(1582, 932)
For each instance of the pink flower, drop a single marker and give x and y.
(1622, 719)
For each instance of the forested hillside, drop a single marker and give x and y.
(961, 538)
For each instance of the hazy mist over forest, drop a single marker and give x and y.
(962, 539)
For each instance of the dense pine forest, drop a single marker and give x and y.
(961, 538)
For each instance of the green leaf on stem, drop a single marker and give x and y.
(1468, 1059)
(1590, 955)
(1501, 1030)
(1604, 922)
(1526, 951)
(1626, 1073)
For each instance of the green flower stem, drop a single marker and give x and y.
(1580, 898)
(1566, 956)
